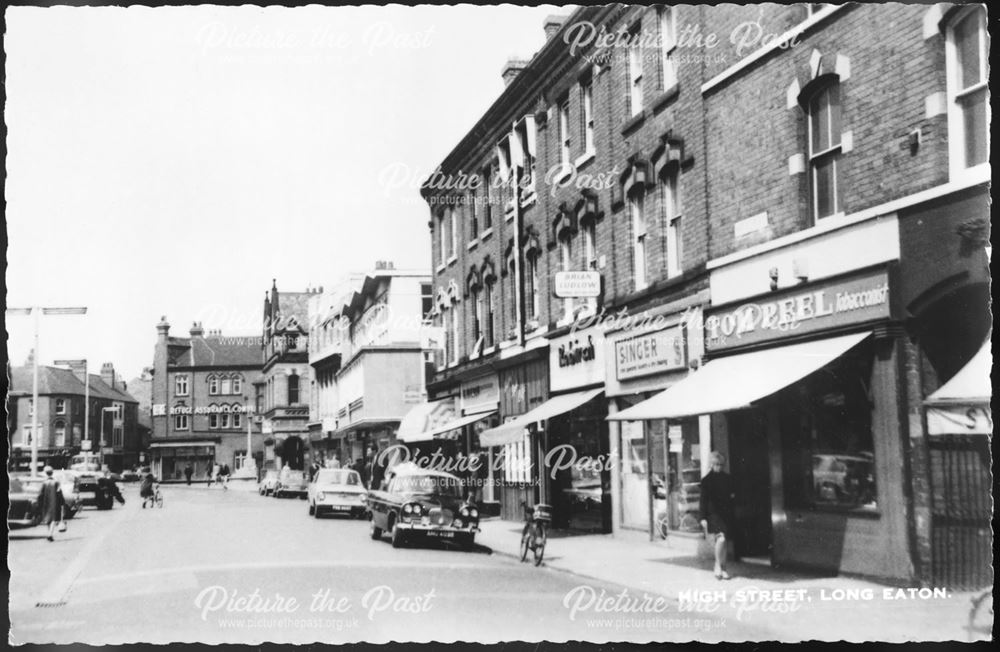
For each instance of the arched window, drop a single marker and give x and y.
(236, 417)
(227, 386)
(824, 149)
(213, 385)
(237, 384)
(213, 416)
(293, 389)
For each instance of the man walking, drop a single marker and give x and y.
(188, 472)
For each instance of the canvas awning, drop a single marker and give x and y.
(962, 405)
(424, 418)
(513, 430)
(459, 423)
(738, 381)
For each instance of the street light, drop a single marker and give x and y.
(38, 311)
(86, 392)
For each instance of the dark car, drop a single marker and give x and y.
(291, 483)
(422, 504)
(25, 509)
(88, 487)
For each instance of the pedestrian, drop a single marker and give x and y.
(52, 503)
(147, 490)
(334, 462)
(215, 474)
(224, 476)
(188, 472)
(362, 469)
(716, 508)
(378, 468)
(108, 492)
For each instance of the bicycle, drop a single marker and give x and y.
(156, 500)
(535, 534)
(981, 617)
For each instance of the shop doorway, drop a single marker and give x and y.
(749, 466)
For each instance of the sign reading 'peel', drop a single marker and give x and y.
(796, 311)
(577, 285)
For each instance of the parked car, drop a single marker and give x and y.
(266, 485)
(130, 476)
(291, 483)
(422, 503)
(843, 478)
(25, 509)
(339, 491)
(70, 486)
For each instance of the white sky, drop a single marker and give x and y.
(172, 161)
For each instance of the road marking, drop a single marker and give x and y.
(57, 593)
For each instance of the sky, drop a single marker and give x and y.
(172, 161)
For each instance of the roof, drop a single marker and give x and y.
(56, 380)
(218, 351)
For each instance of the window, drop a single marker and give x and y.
(237, 385)
(213, 421)
(449, 343)
(668, 43)
(293, 389)
(473, 208)
(60, 406)
(227, 386)
(60, 433)
(587, 95)
(824, 150)
(31, 407)
(531, 300)
(442, 240)
(181, 385)
(506, 172)
(564, 138)
(237, 420)
(635, 73)
(672, 222)
(180, 422)
(117, 436)
(454, 233)
(213, 385)
(590, 260)
(224, 420)
(638, 240)
(489, 331)
(566, 256)
(525, 132)
(426, 301)
(478, 308)
(968, 101)
(455, 323)
(490, 178)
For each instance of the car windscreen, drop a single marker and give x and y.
(429, 484)
(293, 476)
(338, 476)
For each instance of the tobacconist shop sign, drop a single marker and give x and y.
(798, 311)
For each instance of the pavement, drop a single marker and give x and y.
(795, 605)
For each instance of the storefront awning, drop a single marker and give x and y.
(424, 418)
(739, 380)
(459, 423)
(512, 431)
(962, 405)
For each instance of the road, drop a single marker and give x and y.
(218, 566)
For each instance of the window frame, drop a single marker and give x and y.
(297, 389)
(635, 72)
(60, 406)
(957, 97)
(566, 265)
(59, 433)
(532, 303)
(181, 380)
(587, 110)
(640, 249)
(832, 153)
(673, 213)
(565, 137)
(237, 385)
(668, 43)
(213, 385)
(180, 419)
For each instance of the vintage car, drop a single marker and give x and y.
(24, 509)
(846, 479)
(88, 487)
(337, 491)
(421, 503)
(267, 483)
(291, 483)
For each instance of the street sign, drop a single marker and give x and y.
(574, 285)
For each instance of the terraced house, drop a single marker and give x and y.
(761, 230)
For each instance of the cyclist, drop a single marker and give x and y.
(147, 490)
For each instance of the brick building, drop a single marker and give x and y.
(755, 186)
(203, 402)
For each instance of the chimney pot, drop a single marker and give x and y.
(552, 25)
(512, 69)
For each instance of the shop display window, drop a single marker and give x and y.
(682, 491)
(826, 423)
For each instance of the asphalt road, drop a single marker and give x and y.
(220, 566)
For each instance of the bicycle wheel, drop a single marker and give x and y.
(525, 541)
(159, 499)
(540, 538)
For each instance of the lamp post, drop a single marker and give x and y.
(86, 392)
(37, 312)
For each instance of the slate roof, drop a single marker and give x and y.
(56, 380)
(216, 351)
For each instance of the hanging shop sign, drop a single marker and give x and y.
(650, 353)
(800, 310)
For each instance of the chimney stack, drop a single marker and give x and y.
(552, 25)
(108, 374)
(163, 329)
(80, 371)
(197, 330)
(512, 69)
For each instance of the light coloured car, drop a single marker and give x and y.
(267, 483)
(291, 482)
(337, 491)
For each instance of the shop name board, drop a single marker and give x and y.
(576, 360)
(574, 352)
(651, 353)
(208, 409)
(824, 306)
(577, 285)
(480, 393)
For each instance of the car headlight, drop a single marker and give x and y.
(407, 509)
(320, 496)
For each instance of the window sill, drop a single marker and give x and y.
(529, 199)
(976, 174)
(452, 260)
(661, 101)
(440, 268)
(485, 234)
(472, 245)
(585, 158)
(633, 123)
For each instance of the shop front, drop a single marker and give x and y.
(805, 390)
(659, 462)
(168, 460)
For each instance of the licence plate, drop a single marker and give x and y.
(443, 534)
(340, 508)
(87, 494)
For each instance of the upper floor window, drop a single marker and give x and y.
(426, 300)
(60, 406)
(637, 214)
(213, 385)
(566, 255)
(227, 385)
(966, 51)
(473, 208)
(490, 179)
(181, 385)
(293, 389)
(587, 95)
(237, 385)
(442, 240)
(668, 43)
(564, 137)
(590, 245)
(525, 133)
(454, 233)
(532, 290)
(824, 150)
(455, 325)
(672, 222)
(488, 316)
(635, 73)
(60, 433)
(180, 422)
(478, 308)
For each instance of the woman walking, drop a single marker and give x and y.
(51, 500)
(717, 510)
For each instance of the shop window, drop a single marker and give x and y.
(826, 425)
(517, 460)
(966, 49)
(825, 150)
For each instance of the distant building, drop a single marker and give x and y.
(203, 402)
(113, 418)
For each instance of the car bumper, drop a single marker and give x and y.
(437, 531)
(88, 498)
(341, 507)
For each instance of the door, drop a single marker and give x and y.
(750, 470)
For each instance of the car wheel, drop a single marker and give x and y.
(374, 530)
(316, 512)
(302, 497)
(397, 537)
(312, 510)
